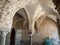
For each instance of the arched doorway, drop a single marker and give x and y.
(21, 26)
(19, 34)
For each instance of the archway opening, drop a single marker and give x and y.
(19, 34)
(12, 37)
(21, 26)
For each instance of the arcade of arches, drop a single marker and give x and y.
(29, 22)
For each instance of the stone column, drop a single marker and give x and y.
(3, 34)
(18, 37)
(0, 37)
(8, 38)
(3, 37)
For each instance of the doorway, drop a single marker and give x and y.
(12, 37)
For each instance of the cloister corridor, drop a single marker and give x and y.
(29, 22)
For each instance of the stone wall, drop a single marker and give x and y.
(32, 7)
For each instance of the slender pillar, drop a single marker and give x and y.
(30, 34)
(18, 38)
(2, 37)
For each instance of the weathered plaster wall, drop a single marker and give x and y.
(9, 8)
